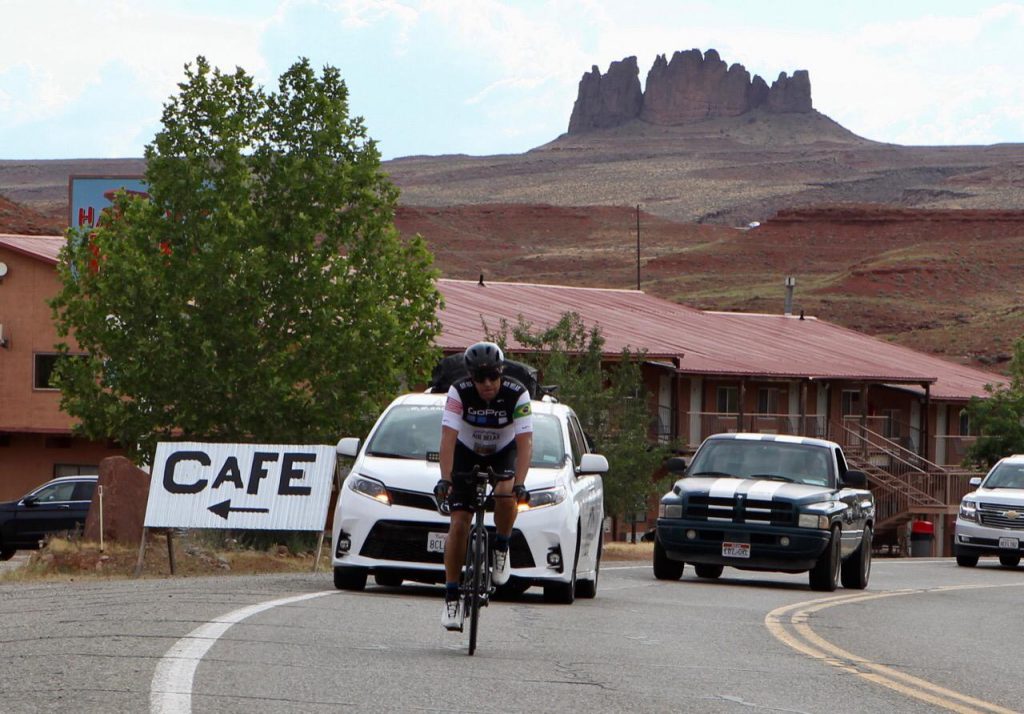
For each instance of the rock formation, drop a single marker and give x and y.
(689, 88)
(607, 100)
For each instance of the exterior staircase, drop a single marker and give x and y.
(904, 484)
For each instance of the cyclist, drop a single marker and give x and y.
(486, 422)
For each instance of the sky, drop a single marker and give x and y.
(89, 78)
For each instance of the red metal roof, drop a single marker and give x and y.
(44, 248)
(698, 342)
(730, 344)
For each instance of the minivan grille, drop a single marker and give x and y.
(401, 540)
(412, 499)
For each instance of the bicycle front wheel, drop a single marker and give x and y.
(477, 581)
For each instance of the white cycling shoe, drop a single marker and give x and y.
(499, 576)
(451, 615)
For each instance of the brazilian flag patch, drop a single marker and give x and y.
(521, 411)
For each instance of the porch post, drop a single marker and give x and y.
(923, 451)
(696, 410)
(803, 407)
(864, 419)
(941, 431)
(743, 396)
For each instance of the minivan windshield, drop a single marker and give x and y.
(1006, 475)
(409, 431)
(773, 460)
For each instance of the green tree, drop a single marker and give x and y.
(999, 418)
(610, 401)
(262, 292)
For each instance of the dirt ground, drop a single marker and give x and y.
(939, 281)
(63, 559)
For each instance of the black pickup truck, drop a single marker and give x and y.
(767, 502)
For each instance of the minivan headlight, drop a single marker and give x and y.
(371, 488)
(544, 498)
(968, 511)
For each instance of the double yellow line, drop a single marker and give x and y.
(789, 624)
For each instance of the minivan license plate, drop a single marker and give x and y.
(436, 541)
(1012, 543)
(735, 550)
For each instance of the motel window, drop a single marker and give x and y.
(43, 372)
(768, 400)
(728, 400)
(892, 423)
(43, 368)
(965, 423)
(75, 470)
(850, 402)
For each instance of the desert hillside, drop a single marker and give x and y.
(920, 245)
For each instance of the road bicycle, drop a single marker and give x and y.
(475, 588)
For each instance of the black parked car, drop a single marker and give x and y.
(58, 505)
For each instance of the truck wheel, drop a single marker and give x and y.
(857, 568)
(6, 553)
(664, 567)
(966, 561)
(707, 570)
(1009, 560)
(349, 578)
(824, 576)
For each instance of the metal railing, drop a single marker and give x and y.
(722, 422)
(905, 482)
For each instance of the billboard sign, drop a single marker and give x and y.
(89, 195)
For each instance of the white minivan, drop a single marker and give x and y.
(387, 523)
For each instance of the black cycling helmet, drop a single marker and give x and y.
(483, 357)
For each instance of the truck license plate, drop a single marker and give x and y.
(436, 542)
(735, 550)
(1011, 543)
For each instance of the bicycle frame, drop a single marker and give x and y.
(476, 588)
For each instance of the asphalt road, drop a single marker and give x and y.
(926, 636)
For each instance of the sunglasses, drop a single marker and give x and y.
(492, 376)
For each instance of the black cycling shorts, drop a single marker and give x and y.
(463, 492)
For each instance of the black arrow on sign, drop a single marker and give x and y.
(223, 508)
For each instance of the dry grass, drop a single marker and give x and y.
(63, 559)
(628, 551)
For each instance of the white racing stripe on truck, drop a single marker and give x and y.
(724, 487)
(764, 490)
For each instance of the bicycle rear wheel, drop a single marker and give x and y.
(476, 581)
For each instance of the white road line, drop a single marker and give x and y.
(171, 689)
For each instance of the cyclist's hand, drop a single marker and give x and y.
(521, 494)
(441, 490)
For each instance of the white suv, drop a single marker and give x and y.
(991, 519)
(387, 523)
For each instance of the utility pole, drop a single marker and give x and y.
(638, 246)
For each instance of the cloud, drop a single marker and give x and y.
(66, 46)
(487, 76)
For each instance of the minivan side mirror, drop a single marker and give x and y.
(855, 479)
(676, 464)
(975, 481)
(349, 446)
(30, 500)
(592, 464)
